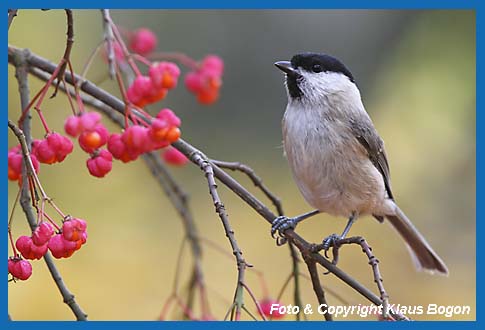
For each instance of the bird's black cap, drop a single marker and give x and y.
(311, 61)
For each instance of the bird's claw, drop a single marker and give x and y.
(328, 242)
(279, 225)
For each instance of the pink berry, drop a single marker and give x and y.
(64, 148)
(43, 152)
(133, 96)
(135, 139)
(174, 157)
(118, 149)
(73, 229)
(142, 85)
(54, 148)
(266, 305)
(170, 117)
(89, 120)
(42, 233)
(60, 247)
(213, 65)
(15, 160)
(93, 139)
(100, 164)
(164, 74)
(194, 82)
(72, 126)
(20, 269)
(28, 249)
(143, 41)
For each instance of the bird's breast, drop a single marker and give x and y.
(329, 165)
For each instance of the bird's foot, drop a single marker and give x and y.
(279, 225)
(327, 243)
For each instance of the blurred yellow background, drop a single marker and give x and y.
(416, 72)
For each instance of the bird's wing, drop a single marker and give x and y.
(373, 144)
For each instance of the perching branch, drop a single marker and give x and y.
(236, 187)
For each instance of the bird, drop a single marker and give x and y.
(337, 158)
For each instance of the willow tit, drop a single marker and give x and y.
(336, 156)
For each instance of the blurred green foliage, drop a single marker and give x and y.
(416, 71)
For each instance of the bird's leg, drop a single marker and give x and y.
(333, 239)
(282, 223)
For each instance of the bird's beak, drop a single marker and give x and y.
(286, 67)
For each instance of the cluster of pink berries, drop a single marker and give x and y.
(206, 81)
(54, 148)
(92, 135)
(19, 268)
(138, 139)
(70, 237)
(149, 89)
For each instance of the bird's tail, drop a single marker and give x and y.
(423, 255)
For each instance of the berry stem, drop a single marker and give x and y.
(185, 309)
(44, 92)
(52, 222)
(10, 222)
(179, 57)
(204, 300)
(122, 44)
(258, 306)
(55, 207)
(27, 108)
(79, 100)
(88, 63)
(69, 97)
(142, 59)
(43, 121)
(11, 242)
(166, 307)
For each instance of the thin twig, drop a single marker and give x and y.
(258, 182)
(206, 167)
(109, 39)
(258, 306)
(67, 52)
(374, 263)
(12, 13)
(317, 286)
(223, 177)
(296, 279)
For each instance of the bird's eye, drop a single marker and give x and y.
(317, 68)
